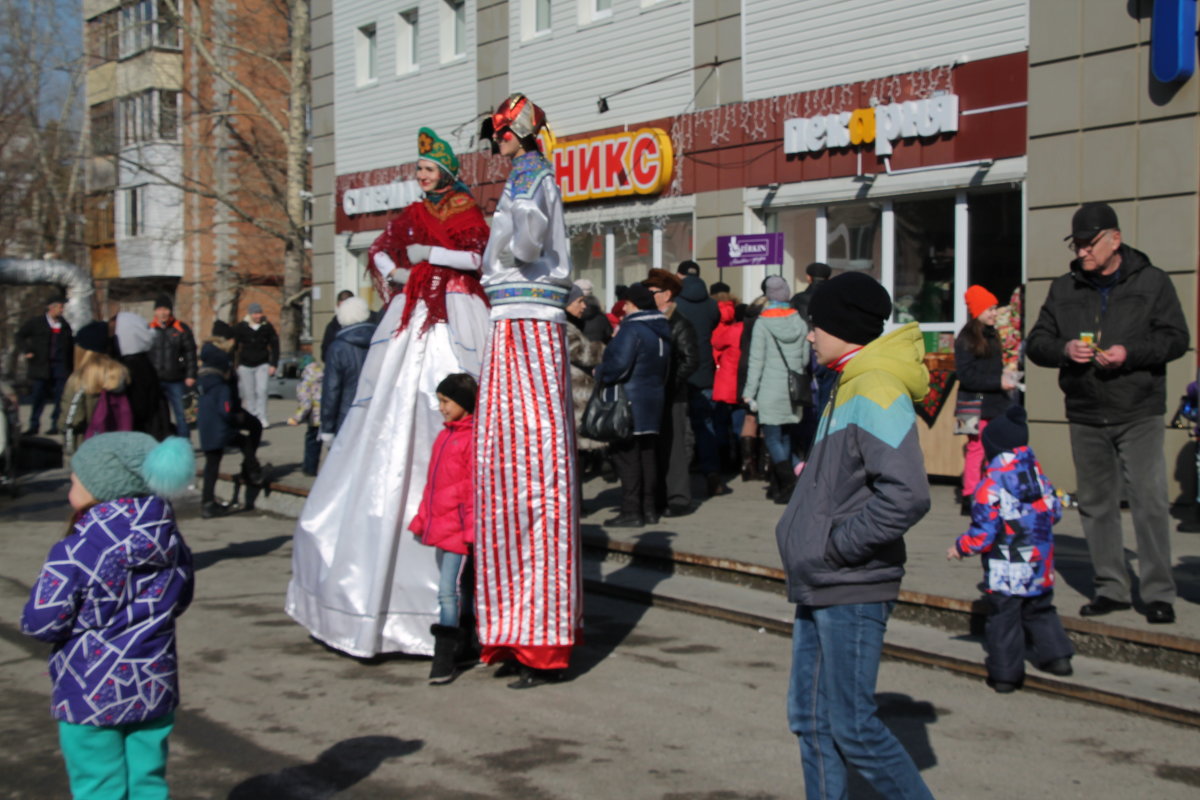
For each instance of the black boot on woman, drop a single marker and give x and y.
(785, 475)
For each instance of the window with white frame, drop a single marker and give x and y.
(453, 29)
(366, 44)
(135, 211)
(407, 58)
(145, 24)
(594, 10)
(535, 18)
(925, 250)
(149, 116)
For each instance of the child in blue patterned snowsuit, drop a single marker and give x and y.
(1012, 517)
(107, 599)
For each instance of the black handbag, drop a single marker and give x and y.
(608, 416)
(799, 386)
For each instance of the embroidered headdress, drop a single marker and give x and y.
(432, 148)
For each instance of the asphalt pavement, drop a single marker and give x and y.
(659, 704)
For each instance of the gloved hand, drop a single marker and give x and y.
(417, 253)
(506, 258)
(327, 438)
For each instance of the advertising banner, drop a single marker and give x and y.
(750, 250)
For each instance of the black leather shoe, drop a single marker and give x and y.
(530, 677)
(213, 509)
(653, 518)
(1003, 687)
(1160, 613)
(625, 521)
(677, 511)
(1058, 666)
(1103, 605)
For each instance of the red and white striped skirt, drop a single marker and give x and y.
(528, 585)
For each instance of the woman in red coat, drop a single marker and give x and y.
(727, 355)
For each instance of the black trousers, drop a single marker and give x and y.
(673, 480)
(636, 460)
(247, 439)
(1012, 619)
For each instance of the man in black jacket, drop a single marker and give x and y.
(173, 355)
(703, 312)
(49, 351)
(1110, 326)
(674, 446)
(257, 358)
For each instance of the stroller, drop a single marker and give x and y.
(10, 438)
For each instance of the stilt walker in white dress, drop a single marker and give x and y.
(527, 572)
(360, 582)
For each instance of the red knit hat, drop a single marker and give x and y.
(979, 300)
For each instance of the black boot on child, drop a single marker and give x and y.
(446, 644)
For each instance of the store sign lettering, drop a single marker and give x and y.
(881, 124)
(381, 197)
(615, 165)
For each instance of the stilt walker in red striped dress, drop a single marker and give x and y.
(528, 585)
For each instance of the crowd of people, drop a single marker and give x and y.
(445, 520)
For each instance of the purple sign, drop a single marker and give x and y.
(750, 250)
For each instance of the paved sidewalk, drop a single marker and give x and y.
(741, 527)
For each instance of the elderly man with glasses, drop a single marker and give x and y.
(1110, 326)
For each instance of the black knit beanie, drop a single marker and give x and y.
(641, 297)
(223, 329)
(853, 307)
(93, 336)
(1006, 432)
(461, 388)
(164, 301)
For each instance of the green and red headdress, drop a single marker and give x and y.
(433, 148)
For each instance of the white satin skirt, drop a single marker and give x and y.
(361, 582)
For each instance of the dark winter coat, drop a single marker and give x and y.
(256, 347)
(800, 301)
(1143, 314)
(446, 517)
(345, 362)
(685, 356)
(173, 353)
(107, 598)
(584, 355)
(702, 311)
(35, 336)
(639, 357)
(593, 323)
(146, 400)
(219, 401)
(748, 320)
(982, 375)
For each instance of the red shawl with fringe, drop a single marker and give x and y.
(455, 223)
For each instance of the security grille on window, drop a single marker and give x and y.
(146, 24)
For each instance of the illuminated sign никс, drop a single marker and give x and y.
(614, 165)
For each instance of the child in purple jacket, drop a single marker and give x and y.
(107, 598)
(1012, 519)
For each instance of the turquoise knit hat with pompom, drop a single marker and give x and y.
(130, 464)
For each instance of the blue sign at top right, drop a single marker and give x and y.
(1173, 40)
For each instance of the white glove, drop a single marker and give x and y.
(506, 258)
(384, 263)
(327, 438)
(417, 253)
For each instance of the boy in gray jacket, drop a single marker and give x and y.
(842, 539)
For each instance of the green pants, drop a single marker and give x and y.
(124, 762)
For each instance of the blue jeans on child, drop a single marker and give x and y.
(120, 761)
(450, 566)
(831, 704)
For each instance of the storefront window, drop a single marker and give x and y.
(799, 229)
(852, 238)
(923, 289)
(995, 242)
(677, 241)
(587, 258)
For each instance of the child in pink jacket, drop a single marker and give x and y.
(446, 517)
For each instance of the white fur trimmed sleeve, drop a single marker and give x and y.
(465, 260)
